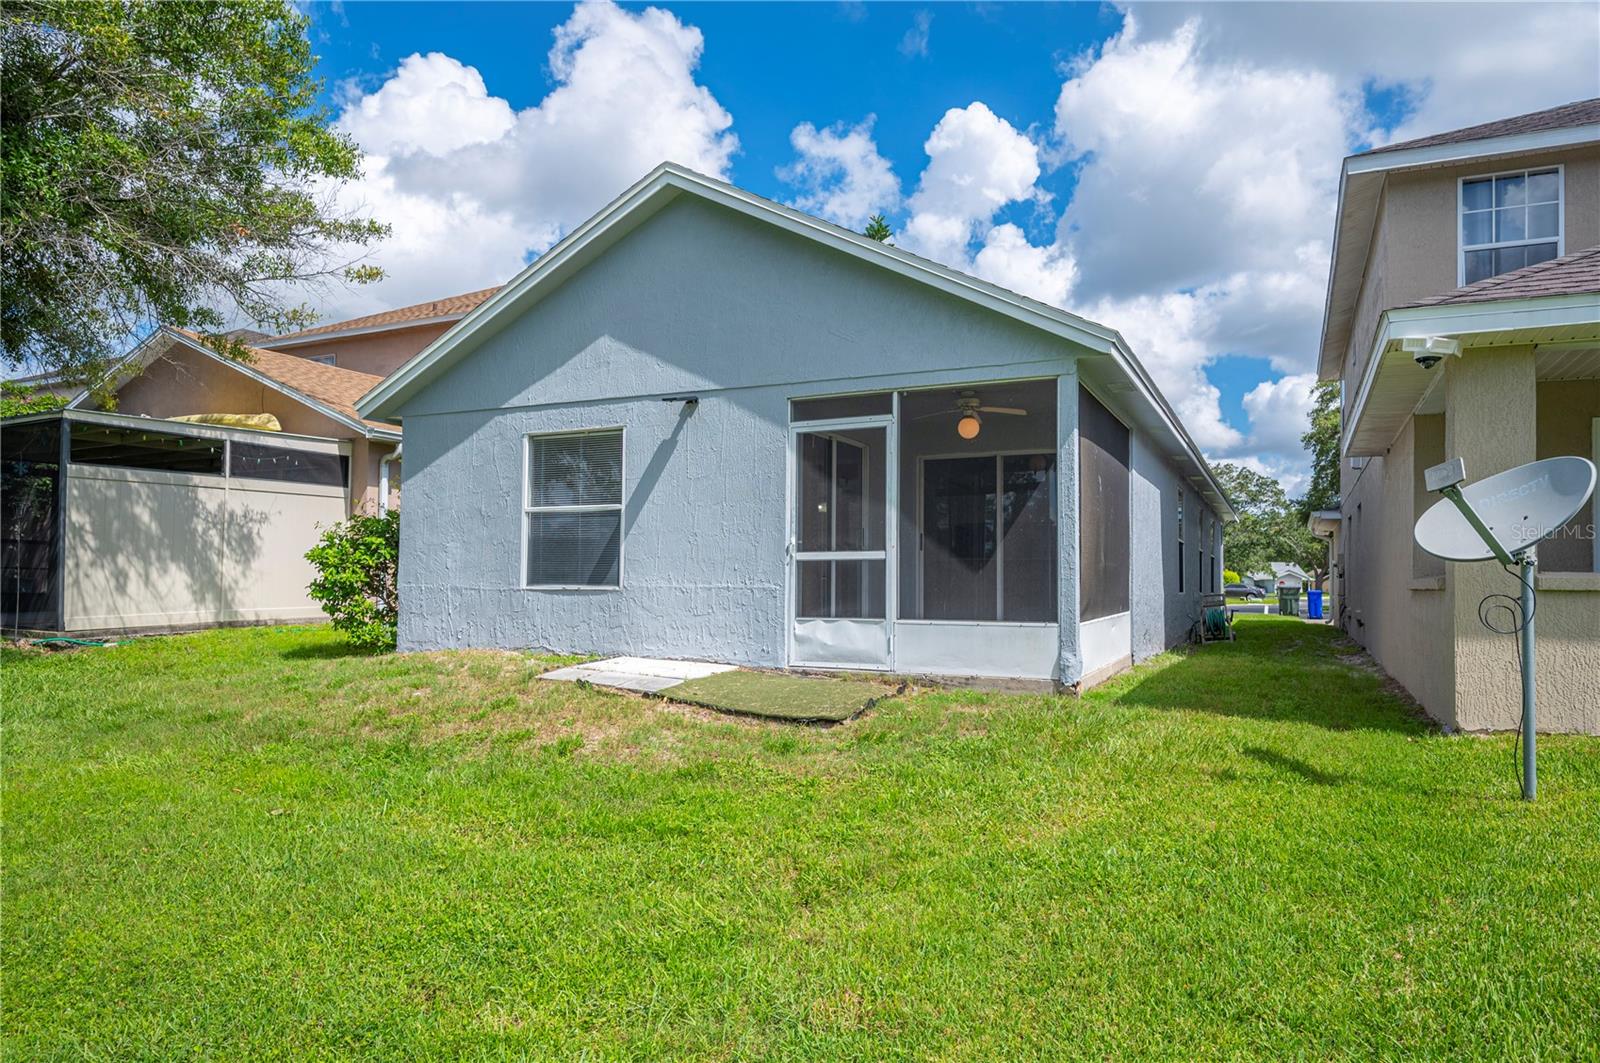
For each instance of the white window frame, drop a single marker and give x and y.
(1461, 202)
(596, 507)
(323, 359)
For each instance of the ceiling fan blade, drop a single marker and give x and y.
(1013, 410)
(935, 413)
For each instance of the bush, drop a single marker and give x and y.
(356, 562)
(1230, 576)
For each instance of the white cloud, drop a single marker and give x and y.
(1194, 171)
(915, 41)
(1460, 63)
(1279, 411)
(1009, 260)
(977, 164)
(472, 187)
(840, 173)
(432, 104)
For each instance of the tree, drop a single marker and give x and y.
(161, 162)
(16, 400)
(1269, 527)
(878, 229)
(1322, 440)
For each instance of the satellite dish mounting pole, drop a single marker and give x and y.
(1503, 517)
(1530, 757)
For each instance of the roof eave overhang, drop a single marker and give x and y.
(1362, 176)
(1392, 372)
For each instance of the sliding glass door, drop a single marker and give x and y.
(987, 541)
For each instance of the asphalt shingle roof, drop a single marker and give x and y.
(328, 384)
(450, 305)
(1574, 274)
(1581, 112)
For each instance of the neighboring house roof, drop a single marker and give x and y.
(1281, 569)
(1583, 112)
(668, 181)
(1574, 274)
(435, 311)
(327, 389)
(1361, 182)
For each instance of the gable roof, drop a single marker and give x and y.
(1363, 176)
(435, 311)
(327, 389)
(1574, 274)
(1581, 112)
(666, 183)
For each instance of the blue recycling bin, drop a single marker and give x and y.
(1313, 605)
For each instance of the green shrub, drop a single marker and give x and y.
(1230, 576)
(356, 562)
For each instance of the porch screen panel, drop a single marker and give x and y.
(1103, 510)
(1028, 532)
(30, 540)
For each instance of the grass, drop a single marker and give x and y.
(778, 696)
(255, 843)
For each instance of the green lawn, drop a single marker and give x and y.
(253, 843)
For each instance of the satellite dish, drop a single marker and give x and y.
(1519, 507)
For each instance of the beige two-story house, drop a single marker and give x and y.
(1486, 240)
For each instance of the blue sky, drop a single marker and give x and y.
(1168, 170)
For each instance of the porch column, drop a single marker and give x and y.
(1069, 662)
(1490, 405)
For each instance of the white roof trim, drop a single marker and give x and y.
(1460, 319)
(1380, 163)
(153, 347)
(1467, 150)
(668, 180)
(294, 340)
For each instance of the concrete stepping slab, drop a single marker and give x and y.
(646, 675)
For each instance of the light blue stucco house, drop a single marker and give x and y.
(705, 425)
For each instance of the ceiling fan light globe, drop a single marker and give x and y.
(969, 426)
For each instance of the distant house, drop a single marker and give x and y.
(195, 501)
(1463, 320)
(707, 425)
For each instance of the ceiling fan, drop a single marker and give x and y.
(967, 408)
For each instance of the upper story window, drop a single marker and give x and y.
(1508, 221)
(321, 359)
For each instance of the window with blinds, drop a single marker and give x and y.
(572, 510)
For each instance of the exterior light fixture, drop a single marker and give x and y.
(969, 426)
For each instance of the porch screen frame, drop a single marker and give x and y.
(889, 555)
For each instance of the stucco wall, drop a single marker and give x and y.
(1162, 617)
(698, 301)
(379, 353)
(1400, 615)
(1566, 415)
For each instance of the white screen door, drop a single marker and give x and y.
(840, 542)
